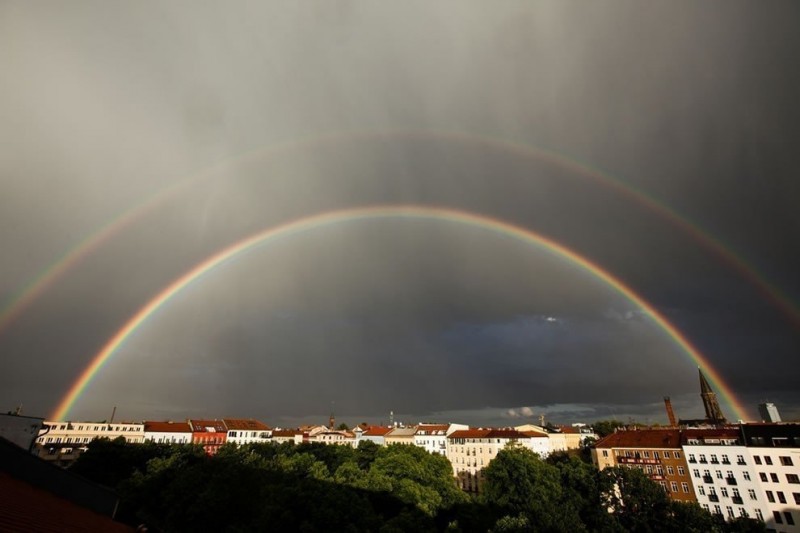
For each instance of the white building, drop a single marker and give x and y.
(167, 432)
(62, 442)
(376, 434)
(246, 431)
(775, 451)
(722, 473)
(471, 450)
(433, 437)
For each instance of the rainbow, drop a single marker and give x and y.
(46, 278)
(444, 214)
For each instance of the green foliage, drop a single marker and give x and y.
(606, 427)
(520, 483)
(110, 462)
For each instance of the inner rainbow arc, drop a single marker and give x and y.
(386, 212)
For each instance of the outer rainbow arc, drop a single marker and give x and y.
(47, 277)
(377, 212)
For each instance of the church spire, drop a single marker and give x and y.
(713, 411)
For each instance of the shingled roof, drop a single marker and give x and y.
(642, 438)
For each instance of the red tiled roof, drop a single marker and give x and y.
(24, 507)
(377, 431)
(286, 432)
(201, 425)
(245, 424)
(432, 429)
(642, 438)
(167, 427)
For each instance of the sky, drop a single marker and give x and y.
(659, 141)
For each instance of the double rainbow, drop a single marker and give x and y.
(309, 223)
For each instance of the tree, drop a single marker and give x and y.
(638, 503)
(604, 428)
(521, 484)
(342, 427)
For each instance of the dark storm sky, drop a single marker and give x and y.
(104, 106)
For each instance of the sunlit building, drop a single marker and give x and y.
(656, 452)
(63, 442)
(168, 432)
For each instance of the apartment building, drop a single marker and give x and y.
(63, 442)
(246, 431)
(656, 452)
(167, 432)
(433, 437)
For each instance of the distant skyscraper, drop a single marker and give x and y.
(713, 411)
(768, 412)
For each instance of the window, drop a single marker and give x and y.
(763, 477)
(725, 460)
(774, 477)
(759, 515)
(777, 516)
(724, 492)
(786, 461)
(789, 518)
(681, 471)
(676, 455)
(781, 497)
(757, 459)
(768, 460)
(659, 470)
(740, 460)
(792, 478)
(663, 484)
(670, 471)
(729, 474)
(746, 475)
(719, 474)
(605, 453)
(796, 497)
(646, 454)
(674, 486)
(691, 458)
(752, 494)
(730, 512)
(714, 459)
(736, 493)
(685, 487)
(742, 512)
(702, 458)
(770, 497)
(701, 490)
(717, 510)
(705, 506)
(696, 473)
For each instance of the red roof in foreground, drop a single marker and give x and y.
(167, 427)
(24, 507)
(642, 438)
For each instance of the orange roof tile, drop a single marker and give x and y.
(245, 424)
(377, 431)
(642, 438)
(167, 427)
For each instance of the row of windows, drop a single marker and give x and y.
(742, 512)
(790, 478)
(674, 486)
(728, 474)
(784, 459)
(782, 497)
(644, 454)
(786, 514)
(715, 460)
(724, 492)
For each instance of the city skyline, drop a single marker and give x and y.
(654, 178)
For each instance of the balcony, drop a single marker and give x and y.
(741, 463)
(692, 460)
(714, 462)
(726, 462)
(708, 479)
(703, 461)
(737, 500)
(713, 498)
(731, 480)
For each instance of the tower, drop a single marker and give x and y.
(768, 412)
(670, 412)
(713, 411)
